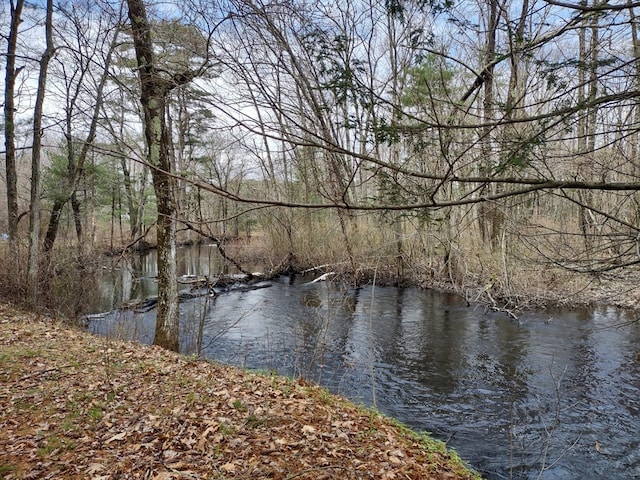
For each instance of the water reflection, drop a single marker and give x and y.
(130, 279)
(553, 396)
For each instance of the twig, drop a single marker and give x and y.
(48, 370)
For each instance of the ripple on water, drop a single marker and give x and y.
(537, 399)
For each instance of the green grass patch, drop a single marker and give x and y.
(54, 444)
(96, 413)
(238, 405)
(5, 469)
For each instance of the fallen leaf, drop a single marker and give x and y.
(178, 425)
(163, 476)
(229, 467)
(94, 468)
(308, 429)
(119, 436)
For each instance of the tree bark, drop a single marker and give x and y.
(9, 118)
(588, 89)
(517, 79)
(154, 89)
(635, 137)
(489, 214)
(34, 209)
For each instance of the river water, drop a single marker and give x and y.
(553, 395)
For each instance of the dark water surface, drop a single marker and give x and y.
(555, 395)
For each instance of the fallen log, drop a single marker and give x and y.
(322, 278)
(195, 291)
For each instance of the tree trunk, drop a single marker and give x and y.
(489, 214)
(54, 222)
(34, 210)
(75, 164)
(635, 137)
(154, 89)
(129, 197)
(9, 115)
(588, 89)
(517, 78)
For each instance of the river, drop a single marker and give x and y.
(552, 395)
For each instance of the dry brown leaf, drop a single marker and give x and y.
(308, 429)
(119, 436)
(164, 476)
(94, 468)
(229, 467)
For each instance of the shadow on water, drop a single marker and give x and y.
(555, 395)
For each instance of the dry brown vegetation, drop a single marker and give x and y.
(516, 278)
(73, 405)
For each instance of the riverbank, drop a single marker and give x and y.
(524, 286)
(74, 405)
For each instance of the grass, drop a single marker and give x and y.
(5, 469)
(96, 413)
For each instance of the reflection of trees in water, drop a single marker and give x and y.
(533, 387)
(133, 277)
(427, 339)
(323, 335)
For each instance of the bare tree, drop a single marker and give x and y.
(34, 209)
(11, 73)
(76, 77)
(361, 107)
(155, 85)
(510, 134)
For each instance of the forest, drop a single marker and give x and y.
(485, 146)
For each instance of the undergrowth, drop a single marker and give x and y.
(67, 281)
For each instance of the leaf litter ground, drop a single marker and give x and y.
(78, 406)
